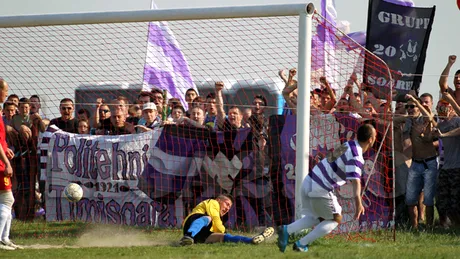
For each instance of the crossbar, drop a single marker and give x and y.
(152, 15)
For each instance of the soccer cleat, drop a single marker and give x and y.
(300, 248)
(11, 244)
(283, 238)
(5, 247)
(186, 241)
(268, 232)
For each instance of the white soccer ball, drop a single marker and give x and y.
(73, 192)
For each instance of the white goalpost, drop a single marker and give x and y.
(83, 56)
(54, 46)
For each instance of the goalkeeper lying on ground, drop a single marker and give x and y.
(204, 224)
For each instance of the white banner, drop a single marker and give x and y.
(108, 168)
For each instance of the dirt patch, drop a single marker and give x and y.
(113, 236)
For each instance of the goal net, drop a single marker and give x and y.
(155, 178)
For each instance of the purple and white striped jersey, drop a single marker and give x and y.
(43, 146)
(344, 163)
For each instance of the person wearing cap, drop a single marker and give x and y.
(150, 116)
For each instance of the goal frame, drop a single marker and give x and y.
(304, 11)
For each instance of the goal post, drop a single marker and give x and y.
(303, 104)
(85, 56)
(152, 15)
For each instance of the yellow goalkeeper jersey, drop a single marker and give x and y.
(210, 208)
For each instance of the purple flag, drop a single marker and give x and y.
(323, 43)
(349, 40)
(165, 65)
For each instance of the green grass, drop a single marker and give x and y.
(80, 240)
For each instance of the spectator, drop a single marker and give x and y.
(135, 113)
(328, 98)
(290, 90)
(121, 103)
(83, 126)
(13, 98)
(150, 115)
(427, 101)
(35, 105)
(233, 120)
(119, 124)
(66, 122)
(199, 101)
(83, 114)
(196, 118)
(173, 102)
(315, 98)
(402, 160)
(177, 113)
(259, 103)
(101, 119)
(144, 97)
(190, 95)
(247, 112)
(342, 106)
(443, 85)
(211, 111)
(423, 172)
(158, 99)
(259, 127)
(9, 110)
(448, 198)
(23, 123)
(26, 164)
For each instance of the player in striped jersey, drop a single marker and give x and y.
(320, 205)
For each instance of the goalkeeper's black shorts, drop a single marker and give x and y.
(204, 233)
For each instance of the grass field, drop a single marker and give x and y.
(80, 240)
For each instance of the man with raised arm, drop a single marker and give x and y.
(319, 202)
(290, 90)
(444, 76)
(423, 172)
(224, 122)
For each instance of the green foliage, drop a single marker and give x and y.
(80, 240)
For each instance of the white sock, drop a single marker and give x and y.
(6, 230)
(301, 224)
(320, 230)
(5, 214)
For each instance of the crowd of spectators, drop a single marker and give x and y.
(424, 144)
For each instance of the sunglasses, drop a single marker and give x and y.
(410, 106)
(104, 111)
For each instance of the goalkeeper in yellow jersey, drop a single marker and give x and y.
(204, 224)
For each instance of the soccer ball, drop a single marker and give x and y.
(73, 192)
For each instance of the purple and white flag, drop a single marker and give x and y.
(165, 65)
(323, 43)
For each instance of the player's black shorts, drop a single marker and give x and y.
(205, 231)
